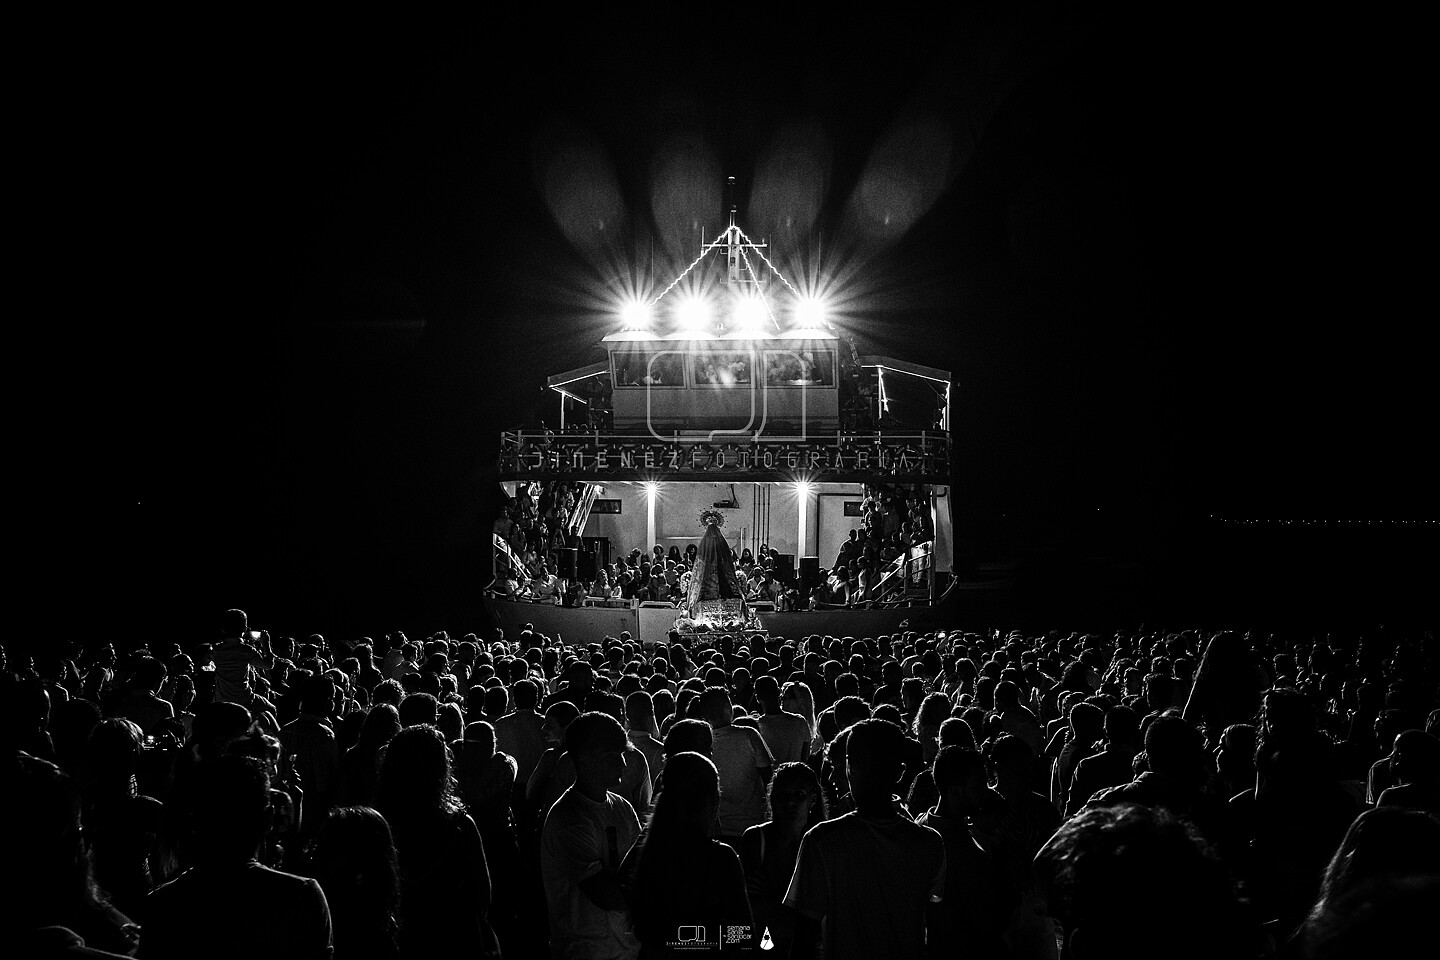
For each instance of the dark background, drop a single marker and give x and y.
(308, 271)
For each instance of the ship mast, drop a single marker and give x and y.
(740, 271)
(732, 238)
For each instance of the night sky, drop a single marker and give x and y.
(318, 267)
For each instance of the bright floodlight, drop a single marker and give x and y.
(804, 488)
(636, 315)
(694, 313)
(749, 313)
(651, 488)
(810, 313)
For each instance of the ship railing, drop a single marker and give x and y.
(892, 579)
(614, 603)
(893, 587)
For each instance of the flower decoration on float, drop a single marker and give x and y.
(712, 518)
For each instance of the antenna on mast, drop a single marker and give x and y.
(732, 238)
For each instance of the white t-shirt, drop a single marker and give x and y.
(648, 744)
(786, 734)
(234, 659)
(740, 754)
(574, 846)
(870, 882)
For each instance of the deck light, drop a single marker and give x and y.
(694, 313)
(749, 313)
(636, 315)
(810, 313)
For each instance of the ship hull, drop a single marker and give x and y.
(651, 625)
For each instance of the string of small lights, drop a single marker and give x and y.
(746, 243)
(761, 254)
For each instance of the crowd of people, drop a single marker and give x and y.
(659, 577)
(893, 518)
(939, 794)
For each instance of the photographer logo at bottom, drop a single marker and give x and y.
(693, 937)
(712, 937)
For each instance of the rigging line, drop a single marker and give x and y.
(759, 253)
(704, 252)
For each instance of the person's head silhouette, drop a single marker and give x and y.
(233, 624)
(1130, 882)
(596, 743)
(689, 735)
(715, 706)
(874, 752)
(230, 809)
(1416, 758)
(690, 796)
(1175, 749)
(49, 845)
(1013, 763)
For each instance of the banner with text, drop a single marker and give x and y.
(912, 458)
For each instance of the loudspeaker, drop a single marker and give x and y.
(785, 568)
(585, 565)
(809, 574)
(566, 563)
(601, 546)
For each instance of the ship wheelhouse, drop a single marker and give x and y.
(804, 445)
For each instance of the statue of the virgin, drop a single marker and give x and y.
(714, 575)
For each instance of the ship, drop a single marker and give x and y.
(730, 398)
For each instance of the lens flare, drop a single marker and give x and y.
(750, 313)
(810, 313)
(636, 315)
(693, 313)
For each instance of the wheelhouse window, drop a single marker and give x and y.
(649, 368)
(723, 368)
(797, 368)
